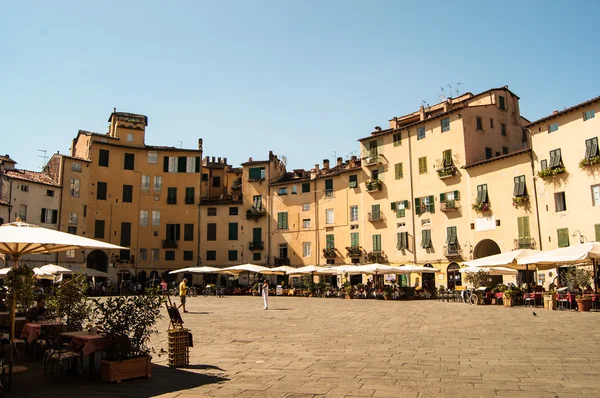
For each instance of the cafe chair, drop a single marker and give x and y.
(58, 352)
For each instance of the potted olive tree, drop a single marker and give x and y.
(69, 301)
(580, 278)
(128, 323)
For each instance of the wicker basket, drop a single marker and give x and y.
(179, 351)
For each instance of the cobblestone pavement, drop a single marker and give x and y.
(309, 347)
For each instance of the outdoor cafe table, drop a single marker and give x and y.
(31, 331)
(89, 344)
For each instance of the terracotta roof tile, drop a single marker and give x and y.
(575, 107)
(31, 176)
(508, 155)
(253, 162)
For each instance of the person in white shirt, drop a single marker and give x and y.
(265, 294)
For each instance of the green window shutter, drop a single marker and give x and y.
(398, 172)
(588, 149)
(544, 164)
(400, 213)
(305, 187)
(397, 138)
(376, 243)
(431, 204)
(166, 164)
(393, 206)
(520, 227)
(453, 239)
(181, 164)
(399, 245)
(285, 220)
(406, 204)
(560, 238)
(526, 233)
(329, 183)
(456, 195)
(197, 165)
(329, 239)
(516, 187)
(375, 212)
(522, 185)
(424, 241)
(256, 235)
(280, 220)
(442, 197)
(417, 205)
(448, 157)
(484, 195)
(354, 239)
(594, 147)
(448, 235)
(597, 229)
(233, 231)
(254, 173)
(479, 192)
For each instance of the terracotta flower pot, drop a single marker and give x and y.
(508, 302)
(583, 304)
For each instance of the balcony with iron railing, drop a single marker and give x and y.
(255, 214)
(169, 244)
(525, 243)
(453, 251)
(446, 172)
(279, 261)
(353, 251)
(376, 257)
(373, 185)
(374, 217)
(450, 205)
(256, 245)
(329, 252)
(372, 159)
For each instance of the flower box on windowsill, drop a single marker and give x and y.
(446, 172)
(481, 207)
(376, 257)
(373, 185)
(354, 251)
(520, 201)
(329, 252)
(589, 162)
(551, 172)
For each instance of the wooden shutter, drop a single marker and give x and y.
(484, 194)
(526, 233)
(442, 197)
(329, 183)
(448, 157)
(417, 205)
(398, 171)
(451, 235)
(54, 216)
(188, 232)
(393, 206)
(400, 212)
(256, 235)
(166, 164)
(305, 187)
(399, 241)
(588, 149)
(376, 243)
(594, 147)
(285, 220)
(516, 187)
(597, 229)
(329, 239)
(544, 164)
(280, 220)
(181, 164)
(375, 212)
(43, 215)
(354, 239)
(520, 227)
(431, 206)
(197, 164)
(456, 195)
(559, 232)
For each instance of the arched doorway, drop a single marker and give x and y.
(97, 260)
(142, 277)
(428, 279)
(154, 277)
(454, 276)
(486, 247)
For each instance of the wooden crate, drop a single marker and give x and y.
(179, 350)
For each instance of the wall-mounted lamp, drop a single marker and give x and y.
(581, 236)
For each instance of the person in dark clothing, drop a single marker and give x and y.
(38, 313)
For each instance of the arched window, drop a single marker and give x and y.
(454, 276)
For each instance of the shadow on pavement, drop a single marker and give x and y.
(164, 380)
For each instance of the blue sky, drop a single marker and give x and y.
(304, 79)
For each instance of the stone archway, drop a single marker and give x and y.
(428, 279)
(97, 260)
(454, 277)
(486, 247)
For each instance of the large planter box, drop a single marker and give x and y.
(584, 304)
(508, 302)
(550, 303)
(115, 371)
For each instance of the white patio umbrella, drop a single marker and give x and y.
(490, 270)
(571, 255)
(94, 273)
(18, 239)
(381, 269)
(284, 269)
(313, 269)
(508, 259)
(244, 268)
(39, 274)
(409, 268)
(346, 269)
(55, 269)
(195, 270)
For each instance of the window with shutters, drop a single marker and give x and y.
(555, 159)
(354, 239)
(211, 231)
(479, 121)
(447, 158)
(99, 226)
(402, 241)
(170, 164)
(256, 174)
(424, 204)
(373, 148)
(173, 231)
(257, 202)
(189, 196)
(282, 220)
(211, 255)
(445, 124)
(519, 188)
(155, 253)
(353, 213)
(127, 193)
(152, 157)
(449, 200)
(329, 188)
(376, 243)
(181, 164)
(103, 157)
(294, 190)
(305, 206)
(155, 218)
(451, 238)
(423, 165)
(74, 187)
(233, 231)
(591, 148)
(76, 166)
(129, 161)
(597, 230)
(563, 237)
(232, 255)
(329, 241)
(329, 216)
(144, 218)
(188, 232)
(596, 195)
(353, 181)
(305, 187)
(552, 127)
(306, 252)
(543, 164)
(398, 172)
(190, 164)
(560, 203)
(157, 183)
(482, 193)
(400, 208)
(375, 213)
(172, 195)
(397, 138)
(420, 133)
(426, 238)
(502, 102)
(49, 216)
(524, 233)
(587, 115)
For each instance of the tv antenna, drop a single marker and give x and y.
(43, 156)
(424, 103)
(334, 153)
(442, 94)
(180, 144)
(460, 83)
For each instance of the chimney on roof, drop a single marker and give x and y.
(271, 157)
(212, 159)
(352, 162)
(340, 161)
(225, 160)
(313, 174)
(219, 159)
(554, 112)
(250, 159)
(421, 112)
(199, 144)
(317, 169)
(325, 164)
(377, 128)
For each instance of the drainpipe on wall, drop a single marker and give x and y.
(199, 261)
(412, 199)
(317, 241)
(61, 179)
(537, 208)
(10, 205)
(270, 213)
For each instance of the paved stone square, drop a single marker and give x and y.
(310, 347)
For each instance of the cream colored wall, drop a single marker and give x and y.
(222, 244)
(249, 190)
(124, 128)
(581, 214)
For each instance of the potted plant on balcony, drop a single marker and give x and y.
(481, 207)
(128, 323)
(518, 201)
(583, 163)
(354, 251)
(447, 171)
(373, 184)
(551, 172)
(581, 278)
(329, 252)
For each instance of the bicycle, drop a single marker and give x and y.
(470, 297)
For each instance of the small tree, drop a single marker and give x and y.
(578, 277)
(69, 301)
(21, 283)
(477, 279)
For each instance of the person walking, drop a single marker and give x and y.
(183, 293)
(265, 294)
